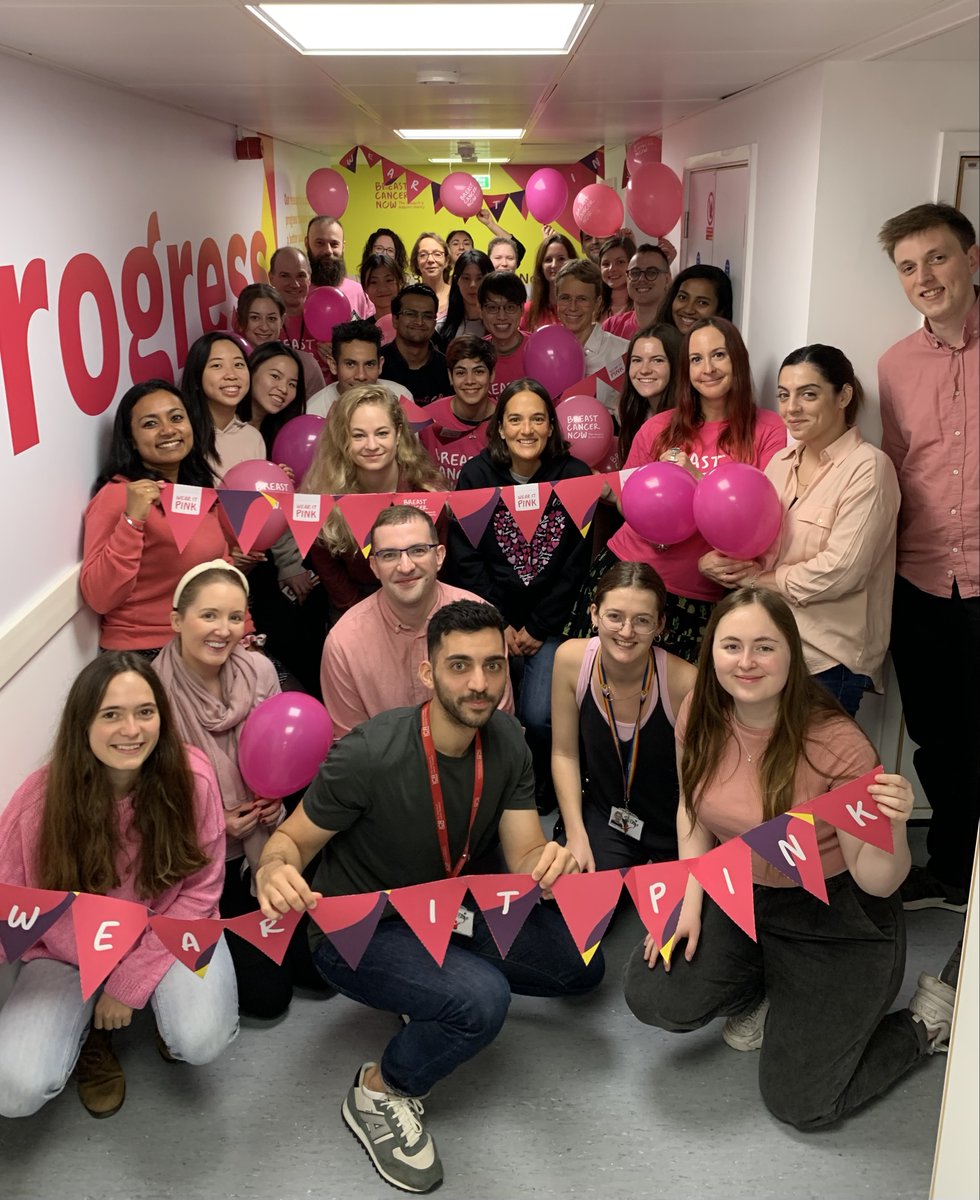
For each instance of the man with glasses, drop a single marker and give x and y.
(372, 655)
(647, 281)
(502, 298)
(411, 359)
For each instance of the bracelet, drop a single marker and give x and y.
(137, 525)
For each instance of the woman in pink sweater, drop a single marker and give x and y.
(123, 809)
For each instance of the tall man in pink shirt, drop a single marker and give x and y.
(372, 655)
(325, 247)
(929, 387)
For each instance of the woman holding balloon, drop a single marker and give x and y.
(834, 559)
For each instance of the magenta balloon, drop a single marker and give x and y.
(282, 744)
(546, 194)
(461, 194)
(554, 357)
(295, 443)
(260, 475)
(655, 197)
(644, 150)
(738, 510)
(327, 192)
(586, 425)
(325, 307)
(598, 210)
(658, 503)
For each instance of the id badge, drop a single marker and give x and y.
(464, 922)
(626, 822)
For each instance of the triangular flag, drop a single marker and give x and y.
(247, 513)
(852, 808)
(789, 843)
(415, 184)
(369, 156)
(725, 873)
(415, 414)
(436, 202)
(349, 922)
(349, 161)
(305, 515)
(517, 199)
(496, 204)
(191, 941)
(473, 510)
(272, 937)
(658, 891)
(617, 480)
(506, 902)
(584, 387)
(613, 374)
(526, 503)
(106, 929)
(580, 498)
(390, 171)
(432, 503)
(26, 914)
(429, 910)
(626, 174)
(360, 511)
(587, 902)
(595, 162)
(185, 507)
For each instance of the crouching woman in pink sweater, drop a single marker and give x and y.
(123, 809)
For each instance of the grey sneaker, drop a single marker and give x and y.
(932, 1004)
(746, 1032)
(390, 1130)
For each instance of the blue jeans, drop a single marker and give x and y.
(532, 689)
(458, 1008)
(844, 685)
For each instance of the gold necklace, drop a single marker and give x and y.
(738, 738)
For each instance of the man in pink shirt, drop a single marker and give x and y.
(372, 655)
(929, 385)
(502, 298)
(458, 431)
(325, 247)
(647, 281)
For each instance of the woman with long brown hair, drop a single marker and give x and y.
(756, 738)
(542, 307)
(123, 809)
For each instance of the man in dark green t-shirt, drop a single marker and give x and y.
(378, 800)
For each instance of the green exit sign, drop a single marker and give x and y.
(483, 181)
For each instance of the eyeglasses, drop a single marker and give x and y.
(634, 274)
(642, 626)
(424, 255)
(494, 310)
(416, 553)
(410, 314)
(576, 301)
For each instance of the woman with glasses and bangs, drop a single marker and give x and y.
(614, 697)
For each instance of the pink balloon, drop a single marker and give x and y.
(738, 510)
(326, 190)
(586, 425)
(295, 443)
(598, 211)
(658, 503)
(546, 194)
(325, 307)
(260, 475)
(655, 197)
(461, 194)
(555, 358)
(282, 744)
(644, 150)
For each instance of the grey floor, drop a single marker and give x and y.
(575, 1099)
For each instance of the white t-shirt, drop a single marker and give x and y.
(320, 404)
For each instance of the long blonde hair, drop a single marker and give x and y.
(333, 471)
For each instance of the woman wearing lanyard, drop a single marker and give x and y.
(613, 702)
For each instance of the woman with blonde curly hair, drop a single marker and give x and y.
(366, 446)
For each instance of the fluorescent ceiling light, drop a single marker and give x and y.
(478, 161)
(438, 135)
(402, 29)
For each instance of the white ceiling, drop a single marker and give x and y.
(639, 66)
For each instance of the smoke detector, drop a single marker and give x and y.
(437, 75)
(466, 151)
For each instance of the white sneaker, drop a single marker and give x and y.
(390, 1130)
(746, 1032)
(932, 1004)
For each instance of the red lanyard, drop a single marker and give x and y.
(438, 805)
(628, 770)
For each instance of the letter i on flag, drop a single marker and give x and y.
(725, 873)
(429, 910)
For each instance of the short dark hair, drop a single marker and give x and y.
(355, 331)
(401, 514)
(469, 346)
(923, 217)
(632, 575)
(652, 248)
(413, 289)
(462, 616)
(713, 275)
(379, 262)
(505, 284)
(836, 368)
(497, 448)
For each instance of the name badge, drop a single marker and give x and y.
(464, 922)
(626, 822)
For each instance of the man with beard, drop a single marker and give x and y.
(325, 247)
(411, 359)
(407, 798)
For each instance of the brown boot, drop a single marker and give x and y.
(101, 1083)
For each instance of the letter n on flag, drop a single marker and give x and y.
(852, 808)
(429, 910)
(26, 914)
(106, 929)
(587, 902)
(191, 941)
(725, 873)
(506, 902)
(271, 937)
(349, 922)
(789, 843)
(657, 890)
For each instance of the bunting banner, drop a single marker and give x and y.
(657, 890)
(430, 911)
(433, 504)
(473, 510)
(360, 511)
(595, 162)
(526, 503)
(725, 873)
(185, 508)
(506, 902)
(26, 914)
(587, 904)
(271, 937)
(436, 201)
(191, 942)
(390, 171)
(106, 929)
(349, 160)
(851, 808)
(349, 922)
(789, 843)
(246, 513)
(580, 498)
(369, 156)
(305, 515)
(415, 184)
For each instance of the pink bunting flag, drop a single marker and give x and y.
(580, 498)
(725, 873)
(584, 387)
(305, 515)
(349, 161)
(526, 503)
(415, 414)
(431, 503)
(369, 156)
(106, 929)
(271, 937)
(429, 910)
(657, 890)
(506, 902)
(390, 171)
(349, 922)
(415, 184)
(360, 511)
(473, 510)
(185, 507)
(789, 843)
(595, 162)
(191, 941)
(852, 808)
(436, 193)
(26, 914)
(247, 513)
(587, 902)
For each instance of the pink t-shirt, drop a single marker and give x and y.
(677, 565)
(509, 367)
(622, 324)
(450, 441)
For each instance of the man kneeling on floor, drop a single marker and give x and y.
(408, 797)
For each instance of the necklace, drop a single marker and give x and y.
(738, 738)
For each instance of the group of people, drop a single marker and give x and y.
(665, 698)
